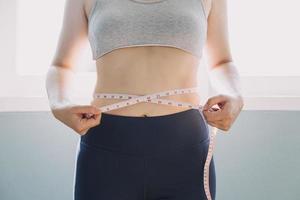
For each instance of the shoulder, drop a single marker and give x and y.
(214, 6)
(84, 6)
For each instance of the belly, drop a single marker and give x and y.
(146, 70)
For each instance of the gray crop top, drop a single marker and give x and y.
(114, 24)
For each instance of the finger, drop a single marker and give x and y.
(220, 114)
(88, 115)
(224, 125)
(217, 124)
(86, 124)
(214, 100)
(213, 123)
(83, 132)
(89, 122)
(211, 115)
(214, 115)
(214, 109)
(87, 109)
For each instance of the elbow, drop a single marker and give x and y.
(221, 62)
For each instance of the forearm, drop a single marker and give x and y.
(225, 79)
(59, 86)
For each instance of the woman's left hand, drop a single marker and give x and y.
(223, 118)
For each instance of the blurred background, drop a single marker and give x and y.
(259, 157)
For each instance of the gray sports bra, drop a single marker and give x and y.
(115, 24)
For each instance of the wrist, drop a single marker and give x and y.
(239, 98)
(61, 104)
(225, 79)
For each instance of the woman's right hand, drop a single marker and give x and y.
(78, 117)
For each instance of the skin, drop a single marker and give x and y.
(145, 69)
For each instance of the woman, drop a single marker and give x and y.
(145, 148)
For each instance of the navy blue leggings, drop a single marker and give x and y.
(144, 158)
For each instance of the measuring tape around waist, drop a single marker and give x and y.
(155, 98)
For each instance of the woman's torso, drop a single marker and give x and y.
(143, 70)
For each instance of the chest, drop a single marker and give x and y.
(182, 17)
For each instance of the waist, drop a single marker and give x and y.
(147, 104)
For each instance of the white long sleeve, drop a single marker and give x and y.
(59, 86)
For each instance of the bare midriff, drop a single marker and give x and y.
(144, 70)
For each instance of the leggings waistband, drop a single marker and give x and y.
(148, 136)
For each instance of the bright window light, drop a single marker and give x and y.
(38, 28)
(264, 36)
